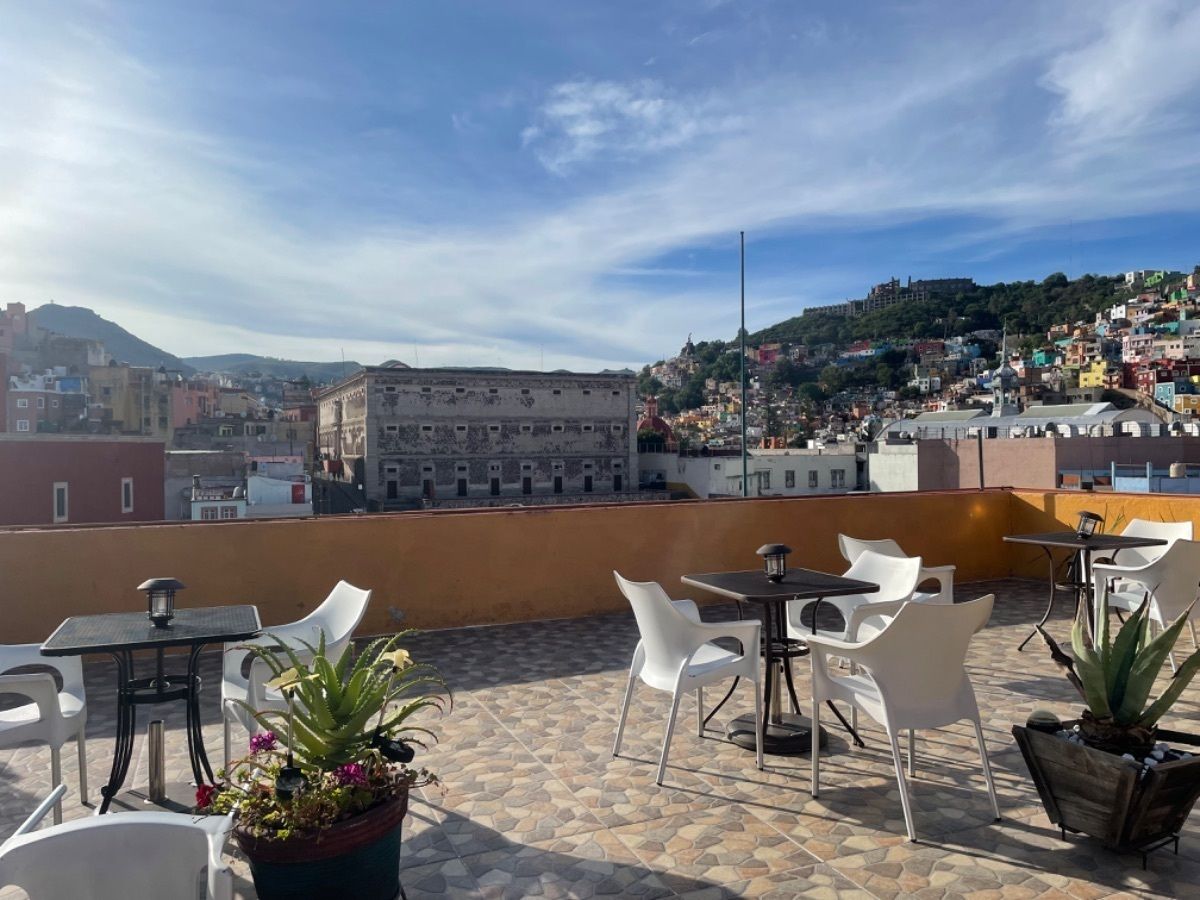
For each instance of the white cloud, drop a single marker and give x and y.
(582, 120)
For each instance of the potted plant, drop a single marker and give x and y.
(323, 791)
(1112, 773)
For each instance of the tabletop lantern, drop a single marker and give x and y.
(160, 599)
(774, 561)
(1088, 523)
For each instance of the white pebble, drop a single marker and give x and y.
(1129, 756)
(1150, 761)
(1157, 754)
(1186, 756)
(1076, 728)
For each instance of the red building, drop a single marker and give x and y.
(77, 479)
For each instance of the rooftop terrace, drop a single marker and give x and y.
(533, 804)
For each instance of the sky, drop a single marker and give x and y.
(562, 183)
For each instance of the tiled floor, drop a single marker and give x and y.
(534, 805)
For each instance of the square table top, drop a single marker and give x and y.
(135, 631)
(1072, 541)
(798, 584)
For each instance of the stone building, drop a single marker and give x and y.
(398, 438)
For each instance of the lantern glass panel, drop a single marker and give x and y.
(1088, 523)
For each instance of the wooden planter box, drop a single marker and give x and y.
(1104, 796)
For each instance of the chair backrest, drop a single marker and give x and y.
(897, 576)
(339, 614)
(160, 855)
(1167, 531)
(1173, 579)
(852, 548)
(667, 638)
(69, 668)
(918, 659)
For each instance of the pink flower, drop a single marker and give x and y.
(351, 775)
(263, 741)
(205, 794)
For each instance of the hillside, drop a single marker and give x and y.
(1027, 307)
(249, 364)
(81, 322)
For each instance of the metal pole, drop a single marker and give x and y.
(158, 773)
(745, 476)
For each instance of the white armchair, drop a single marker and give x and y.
(167, 856)
(1170, 580)
(852, 548)
(244, 678)
(52, 716)
(897, 578)
(675, 654)
(910, 675)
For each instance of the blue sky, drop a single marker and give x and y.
(562, 183)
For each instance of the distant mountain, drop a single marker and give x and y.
(248, 364)
(81, 322)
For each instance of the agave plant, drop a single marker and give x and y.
(1115, 678)
(334, 704)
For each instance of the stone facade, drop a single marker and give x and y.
(410, 436)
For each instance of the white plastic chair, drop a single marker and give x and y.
(675, 654)
(852, 548)
(910, 675)
(244, 678)
(54, 716)
(897, 578)
(1171, 580)
(165, 856)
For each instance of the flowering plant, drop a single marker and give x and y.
(342, 747)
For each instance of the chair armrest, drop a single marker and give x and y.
(935, 571)
(746, 631)
(38, 687)
(688, 608)
(868, 610)
(1115, 571)
(40, 813)
(220, 878)
(837, 646)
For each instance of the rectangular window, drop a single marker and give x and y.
(838, 478)
(462, 487)
(558, 484)
(22, 424)
(392, 489)
(392, 429)
(556, 392)
(789, 478)
(61, 508)
(391, 389)
(41, 402)
(616, 393)
(426, 390)
(427, 488)
(208, 514)
(588, 427)
(126, 495)
(617, 481)
(618, 429)
(586, 392)
(556, 428)
(494, 487)
(427, 429)
(460, 429)
(524, 390)
(494, 429)
(526, 428)
(493, 390)
(460, 390)
(23, 403)
(812, 478)
(764, 480)
(229, 512)
(526, 485)
(587, 484)
(54, 403)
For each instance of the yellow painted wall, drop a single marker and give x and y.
(456, 568)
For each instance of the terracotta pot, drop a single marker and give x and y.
(365, 848)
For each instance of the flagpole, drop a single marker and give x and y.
(745, 475)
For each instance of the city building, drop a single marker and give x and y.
(80, 479)
(400, 437)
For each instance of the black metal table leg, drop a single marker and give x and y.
(732, 687)
(126, 724)
(1049, 603)
(196, 753)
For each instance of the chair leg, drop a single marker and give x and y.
(624, 713)
(759, 726)
(987, 770)
(853, 708)
(1192, 626)
(815, 786)
(912, 753)
(56, 780)
(699, 712)
(900, 780)
(662, 763)
(83, 785)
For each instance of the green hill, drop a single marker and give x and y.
(81, 322)
(250, 364)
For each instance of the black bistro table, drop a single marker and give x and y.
(1082, 549)
(784, 734)
(120, 635)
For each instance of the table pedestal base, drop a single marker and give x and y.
(791, 737)
(180, 798)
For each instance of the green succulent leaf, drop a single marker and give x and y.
(1182, 678)
(1145, 670)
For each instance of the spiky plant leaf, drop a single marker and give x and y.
(1145, 670)
(1125, 650)
(1182, 678)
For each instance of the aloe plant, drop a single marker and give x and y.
(1115, 678)
(341, 709)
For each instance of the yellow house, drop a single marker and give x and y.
(1091, 374)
